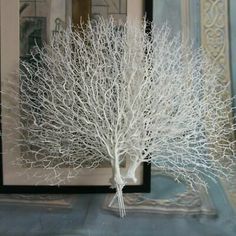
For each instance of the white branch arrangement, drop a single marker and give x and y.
(109, 93)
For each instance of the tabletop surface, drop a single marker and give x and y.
(170, 209)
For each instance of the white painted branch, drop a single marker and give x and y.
(107, 92)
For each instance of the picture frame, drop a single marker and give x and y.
(149, 10)
(11, 180)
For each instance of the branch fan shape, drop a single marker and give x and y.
(112, 92)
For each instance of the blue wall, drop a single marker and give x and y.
(169, 11)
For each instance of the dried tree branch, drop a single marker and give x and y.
(111, 92)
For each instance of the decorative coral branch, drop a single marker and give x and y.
(110, 92)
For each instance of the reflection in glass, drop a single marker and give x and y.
(39, 19)
(106, 8)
